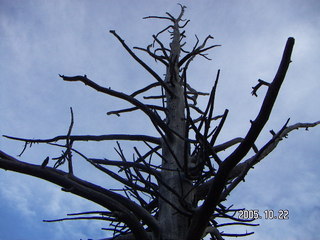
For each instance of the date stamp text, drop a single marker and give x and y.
(268, 214)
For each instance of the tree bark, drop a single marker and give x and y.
(173, 218)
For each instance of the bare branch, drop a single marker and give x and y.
(237, 234)
(230, 143)
(210, 105)
(163, 30)
(255, 88)
(156, 97)
(216, 133)
(152, 85)
(91, 138)
(157, 17)
(117, 112)
(80, 218)
(69, 145)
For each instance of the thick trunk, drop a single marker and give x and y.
(173, 222)
(173, 218)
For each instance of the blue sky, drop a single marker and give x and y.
(41, 39)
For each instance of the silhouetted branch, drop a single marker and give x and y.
(67, 155)
(210, 106)
(85, 138)
(103, 213)
(237, 234)
(217, 131)
(156, 97)
(157, 17)
(80, 218)
(117, 112)
(255, 88)
(152, 85)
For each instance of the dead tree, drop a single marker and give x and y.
(176, 188)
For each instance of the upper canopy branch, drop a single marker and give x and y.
(171, 18)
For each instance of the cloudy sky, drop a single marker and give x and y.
(41, 39)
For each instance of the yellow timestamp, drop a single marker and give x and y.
(269, 214)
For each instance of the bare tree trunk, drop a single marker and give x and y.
(173, 217)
